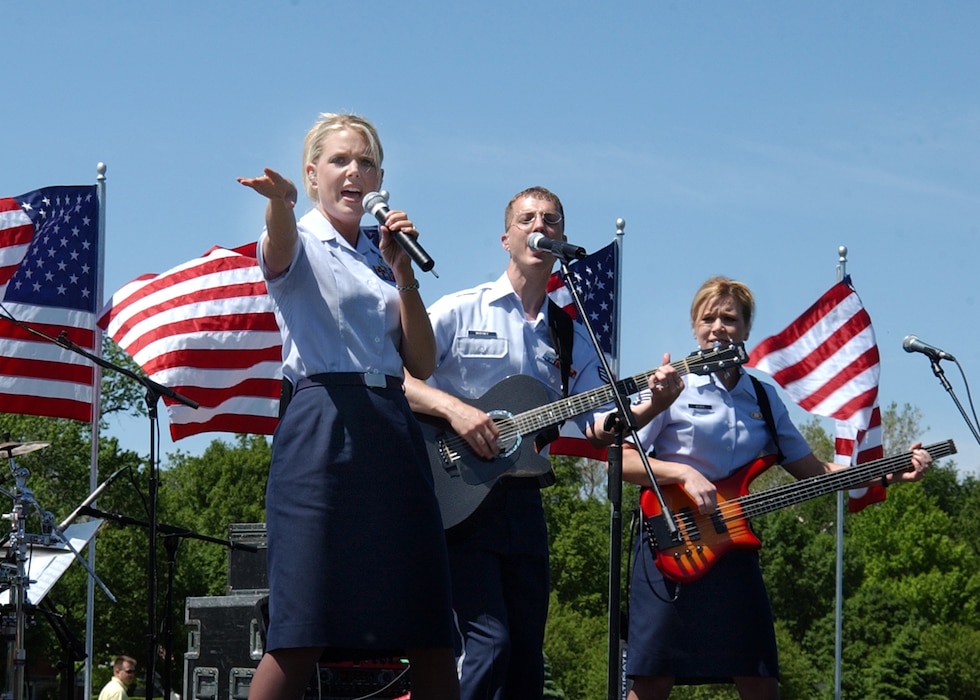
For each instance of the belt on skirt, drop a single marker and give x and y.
(369, 379)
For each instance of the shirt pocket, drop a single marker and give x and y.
(477, 346)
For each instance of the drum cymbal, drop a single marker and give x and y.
(14, 449)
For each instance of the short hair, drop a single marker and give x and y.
(534, 193)
(720, 287)
(328, 123)
(121, 661)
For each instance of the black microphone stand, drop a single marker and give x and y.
(938, 371)
(173, 536)
(620, 422)
(72, 649)
(153, 393)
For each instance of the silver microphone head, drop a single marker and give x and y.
(534, 242)
(373, 201)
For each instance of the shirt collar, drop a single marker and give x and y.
(324, 231)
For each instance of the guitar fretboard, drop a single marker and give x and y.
(554, 413)
(806, 489)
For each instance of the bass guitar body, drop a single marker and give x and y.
(687, 554)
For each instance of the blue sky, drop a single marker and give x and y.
(749, 139)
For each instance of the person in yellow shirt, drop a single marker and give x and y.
(123, 676)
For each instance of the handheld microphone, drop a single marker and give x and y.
(913, 344)
(376, 204)
(566, 251)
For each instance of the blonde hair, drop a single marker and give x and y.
(329, 123)
(720, 287)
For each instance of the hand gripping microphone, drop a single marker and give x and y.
(376, 204)
(913, 344)
(566, 251)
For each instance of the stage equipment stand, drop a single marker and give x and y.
(621, 422)
(72, 648)
(153, 393)
(16, 570)
(941, 376)
(152, 397)
(172, 539)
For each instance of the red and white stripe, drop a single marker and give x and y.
(207, 330)
(827, 362)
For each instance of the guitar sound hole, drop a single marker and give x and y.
(509, 439)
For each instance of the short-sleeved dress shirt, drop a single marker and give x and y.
(336, 305)
(717, 431)
(482, 337)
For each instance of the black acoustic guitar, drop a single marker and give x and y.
(518, 406)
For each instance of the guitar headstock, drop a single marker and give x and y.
(716, 358)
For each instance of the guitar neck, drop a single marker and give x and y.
(559, 411)
(805, 489)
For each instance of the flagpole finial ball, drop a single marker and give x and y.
(100, 168)
(842, 252)
(620, 225)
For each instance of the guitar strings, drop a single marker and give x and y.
(703, 361)
(745, 506)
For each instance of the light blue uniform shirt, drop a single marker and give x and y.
(483, 337)
(337, 306)
(717, 431)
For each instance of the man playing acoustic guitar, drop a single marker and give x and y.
(499, 556)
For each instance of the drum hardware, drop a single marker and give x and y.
(14, 575)
(16, 449)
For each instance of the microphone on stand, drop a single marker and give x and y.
(913, 344)
(376, 204)
(91, 497)
(566, 251)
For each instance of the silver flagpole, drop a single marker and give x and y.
(616, 688)
(620, 236)
(839, 593)
(93, 479)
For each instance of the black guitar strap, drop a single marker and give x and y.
(763, 398)
(562, 333)
(562, 337)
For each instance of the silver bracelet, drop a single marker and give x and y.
(409, 288)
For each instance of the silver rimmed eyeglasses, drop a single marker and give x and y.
(526, 219)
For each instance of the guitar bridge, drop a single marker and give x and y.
(448, 456)
(660, 537)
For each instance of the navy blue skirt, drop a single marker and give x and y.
(709, 631)
(356, 548)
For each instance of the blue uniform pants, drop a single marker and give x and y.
(501, 606)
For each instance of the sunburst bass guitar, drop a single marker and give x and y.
(463, 480)
(701, 539)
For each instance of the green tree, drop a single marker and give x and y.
(206, 494)
(905, 672)
(900, 427)
(956, 647)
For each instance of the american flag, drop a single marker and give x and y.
(50, 282)
(827, 361)
(595, 278)
(207, 330)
